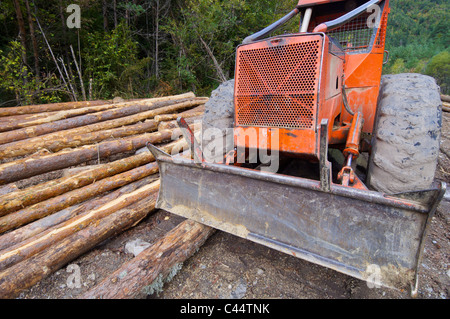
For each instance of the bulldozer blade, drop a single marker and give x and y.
(365, 234)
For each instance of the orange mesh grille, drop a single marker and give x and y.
(355, 36)
(276, 86)
(382, 33)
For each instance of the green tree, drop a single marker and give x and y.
(111, 61)
(439, 68)
(206, 34)
(17, 78)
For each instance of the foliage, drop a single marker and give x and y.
(153, 47)
(111, 61)
(18, 79)
(417, 31)
(439, 68)
(222, 25)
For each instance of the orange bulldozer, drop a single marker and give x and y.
(323, 158)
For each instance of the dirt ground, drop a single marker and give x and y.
(230, 267)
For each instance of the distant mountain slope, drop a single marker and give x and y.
(418, 39)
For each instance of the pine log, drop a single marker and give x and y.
(156, 261)
(20, 121)
(50, 107)
(196, 112)
(445, 98)
(45, 208)
(8, 123)
(21, 234)
(27, 167)
(170, 125)
(58, 139)
(46, 128)
(39, 108)
(35, 194)
(172, 117)
(446, 107)
(54, 234)
(10, 150)
(30, 271)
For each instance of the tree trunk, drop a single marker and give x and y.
(50, 107)
(216, 64)
(33, 40)
(80, 136)
(115, 13)
(171, 117)
(58, 203)
(27, 167)
(157, 40)
(69, 81)
(105, 16)
(22, 31)
(10, 151)
(79, 73)
(51, 52)
(154, 262)
(21, 234)
(30, 271)
(66, 137)
(63, 43)
(52, 235)
(38, 193)
(46, 128)
(25, 120)
(64, 106)
(170, 125)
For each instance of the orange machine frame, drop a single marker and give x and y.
(260, 105)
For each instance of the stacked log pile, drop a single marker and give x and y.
(55, 205)
(445, 102)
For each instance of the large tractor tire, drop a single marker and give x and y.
(405, 143)
(217, 123)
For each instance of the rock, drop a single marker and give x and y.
(118, 99)
(135, 247)
(240, 290)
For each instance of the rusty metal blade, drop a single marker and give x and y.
(364, 234)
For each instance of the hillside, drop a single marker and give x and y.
(418, 39)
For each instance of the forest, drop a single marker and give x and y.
(148, 48)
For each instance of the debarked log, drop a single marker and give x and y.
(50, 107)
(30, 271)
(54, 234)
(40, 192)
(170, 125)
(46, 128)
(156, 261)
(24, 147)
(19, 121)
(45, 208)
(21, 234)
(172, 117)
(56, 140)
(27, 167)
(445, 98)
